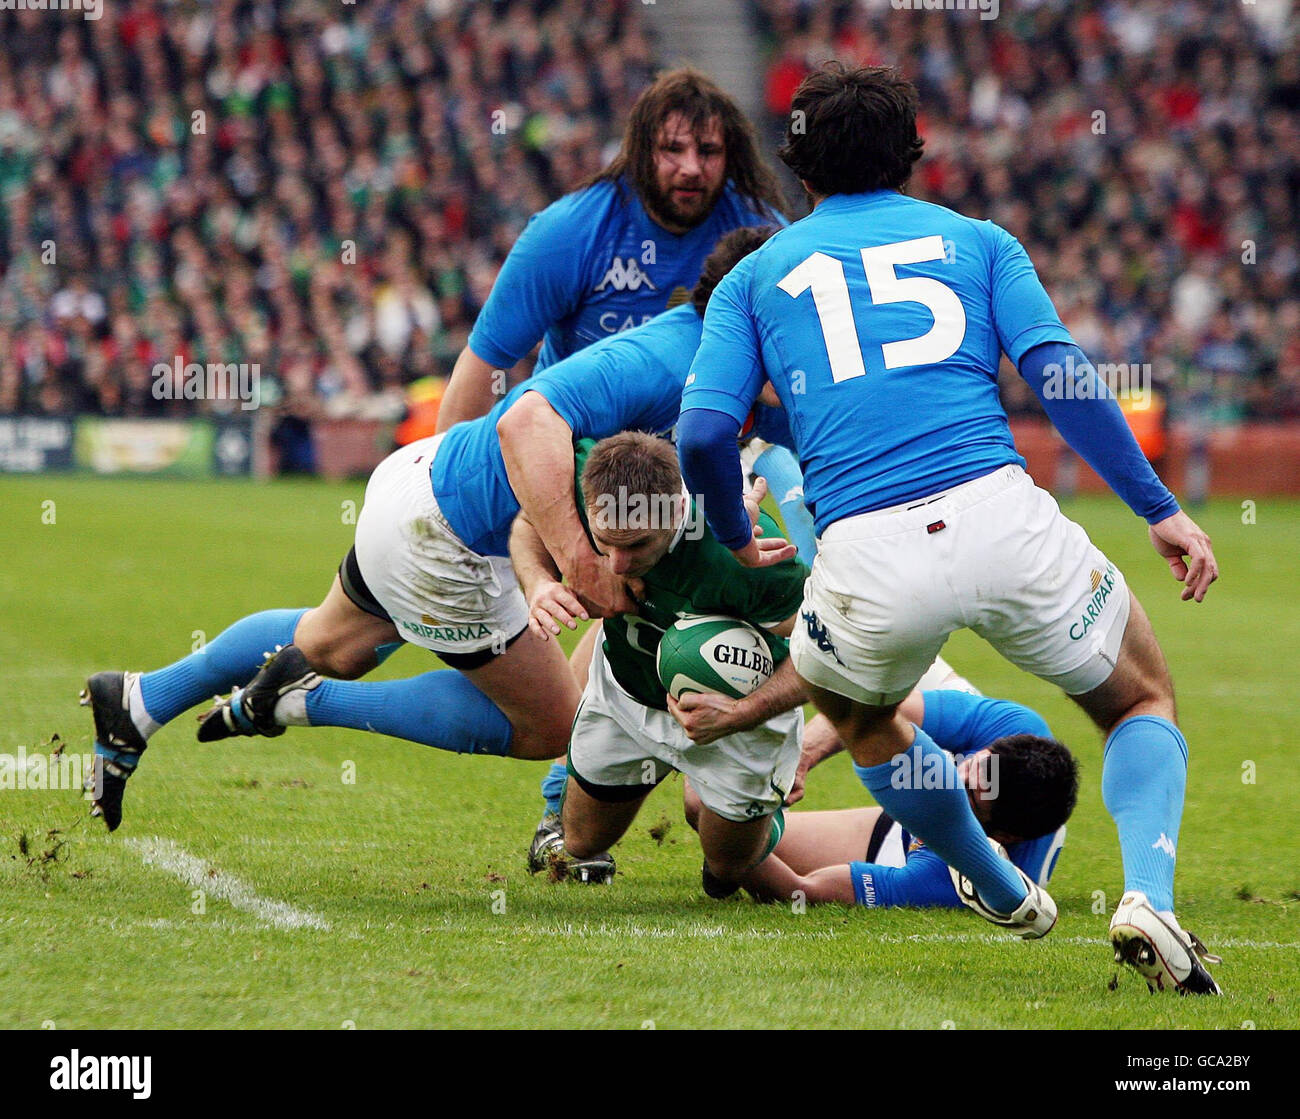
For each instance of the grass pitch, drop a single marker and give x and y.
(401, 899)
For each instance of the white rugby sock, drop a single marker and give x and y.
(144, 722)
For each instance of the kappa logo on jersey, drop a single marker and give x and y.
(625, 277)
(817, 632)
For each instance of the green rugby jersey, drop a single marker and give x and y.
(697, 576)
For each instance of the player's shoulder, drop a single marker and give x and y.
(736, 209)
(583, 208)
(662, 337)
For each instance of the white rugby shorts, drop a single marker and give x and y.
(994, 555)
(440, 594)
(617, 741)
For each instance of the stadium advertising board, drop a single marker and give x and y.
(30, 445)
(175, 448)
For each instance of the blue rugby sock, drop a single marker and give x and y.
(785, 481)
(441, 709)
(942, 818)
(229, 660)
(553, 786)
(1143, 779)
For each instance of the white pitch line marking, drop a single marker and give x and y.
(175, 860)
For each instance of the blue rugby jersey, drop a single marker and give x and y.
(881, 321)
(590, 265)
(631, 380)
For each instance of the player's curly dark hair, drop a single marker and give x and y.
(690, 93)
(730, 250)
(853, 130)
(1037, 786)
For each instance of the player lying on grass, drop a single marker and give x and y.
(625, 738)
(881, 321)
(1021, 782)
(429, 566)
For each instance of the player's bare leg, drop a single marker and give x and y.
(520, 703)
(731, 847)
(533, 686)
(589, 828)
(341, 640)
(591, 825)
(1140, 683)
(1144, 775)
(548, 836)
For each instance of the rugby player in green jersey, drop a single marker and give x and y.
(627, 736)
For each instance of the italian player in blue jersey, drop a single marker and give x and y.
(611, 255)
(880, 322)
(429, 567)
(1021, 782)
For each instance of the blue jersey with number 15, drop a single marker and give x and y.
(880, 321)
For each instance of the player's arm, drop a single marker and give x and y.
(1087, 415)
(961, 722)
(1090, 420)
(726, 378)
(706, 716)
(550, 603)
(538, 285)
(923, 883)
(537, 446)
(474, 387)
(774, 880)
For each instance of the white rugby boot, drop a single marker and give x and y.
(1167, 956)
(1032, 918)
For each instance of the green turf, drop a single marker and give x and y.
(411, 865)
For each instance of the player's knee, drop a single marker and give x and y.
(538, 744)
(337, 661)
(729, 866)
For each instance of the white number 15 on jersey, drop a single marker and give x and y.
(825, 275)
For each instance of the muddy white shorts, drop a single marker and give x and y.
(994, 555)
(618, 743)
(439, 593)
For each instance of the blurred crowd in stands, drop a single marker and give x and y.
(328, 189)
(1146, 154)
(325, 190)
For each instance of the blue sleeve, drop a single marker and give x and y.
(1023, 314)
(924, 882)
(1090, 420)
(961, 722)
(727, 373)
(725, 379)
(597, 395)
(710, 459)
(773, 425)
(539, 284)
